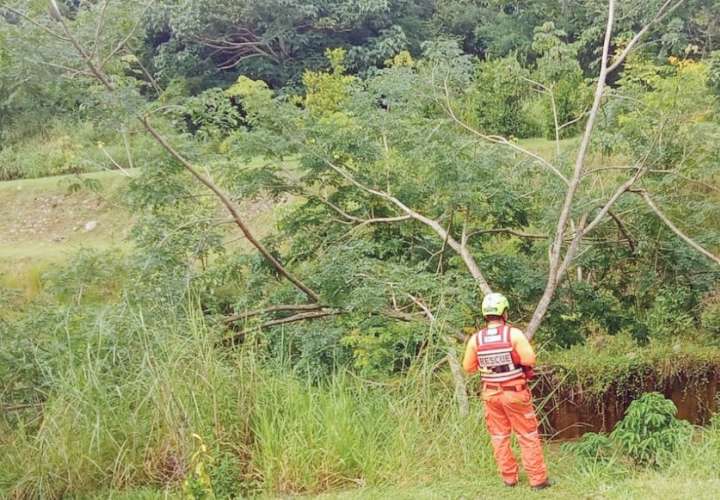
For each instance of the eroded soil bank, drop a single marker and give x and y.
(568, 412)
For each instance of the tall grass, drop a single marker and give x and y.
(125, 391)
(121, 408)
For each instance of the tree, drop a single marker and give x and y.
(275, 40)
(420, 192)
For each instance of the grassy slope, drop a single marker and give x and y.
(43, 222)
(43, 219)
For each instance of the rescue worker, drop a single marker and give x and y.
(503, 355)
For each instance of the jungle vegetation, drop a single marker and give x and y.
(319, 194)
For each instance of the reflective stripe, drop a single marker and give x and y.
(503, 377)
(498, 437)
(496, 351)
(529, 434)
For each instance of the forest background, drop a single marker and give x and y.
(244, 240)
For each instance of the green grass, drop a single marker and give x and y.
(43, 224)
(547, 148)
(126, 389)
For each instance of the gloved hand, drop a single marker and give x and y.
(527, 370)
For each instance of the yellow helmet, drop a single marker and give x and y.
(494, 304)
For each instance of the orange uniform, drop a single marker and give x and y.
(508, 407)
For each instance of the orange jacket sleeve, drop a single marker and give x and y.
(470, 362)
(522, 346)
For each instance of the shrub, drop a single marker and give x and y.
(669, 313)
(650, 433)
(501, 90)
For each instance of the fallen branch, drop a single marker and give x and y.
(322, 313)
(271, 309)
(18, 407)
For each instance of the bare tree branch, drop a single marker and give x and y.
(323, 313)
(623, 230)
(125, 40)
(507, 230)
(100, 75)
(661, 14)
(556, 246)
(354, 218)
(654, 171)
(230, 206)
(646, 196)
(86, 57)
(462, 250)
(559, 265)
(99, 28)
(270, 309)
(36, 24)
(497, 139)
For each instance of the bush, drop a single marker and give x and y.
(669, 313)
(499, 97)
(650, 433)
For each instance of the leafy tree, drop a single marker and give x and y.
(502, 90)
(275, 40)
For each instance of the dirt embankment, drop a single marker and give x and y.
(569, 414)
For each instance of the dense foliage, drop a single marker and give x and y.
(403, 119)
(318, 190)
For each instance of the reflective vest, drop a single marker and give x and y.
(494, 354)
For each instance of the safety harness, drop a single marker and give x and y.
(494, 354)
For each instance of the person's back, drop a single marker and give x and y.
(503, 356)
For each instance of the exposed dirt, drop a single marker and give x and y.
(572, 415)
(50, 218)
(45, 217)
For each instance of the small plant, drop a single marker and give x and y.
(650, 433)
(197, 484)
(592, 446)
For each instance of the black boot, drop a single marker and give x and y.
(545, 484)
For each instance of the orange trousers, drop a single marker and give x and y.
(508, 411)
